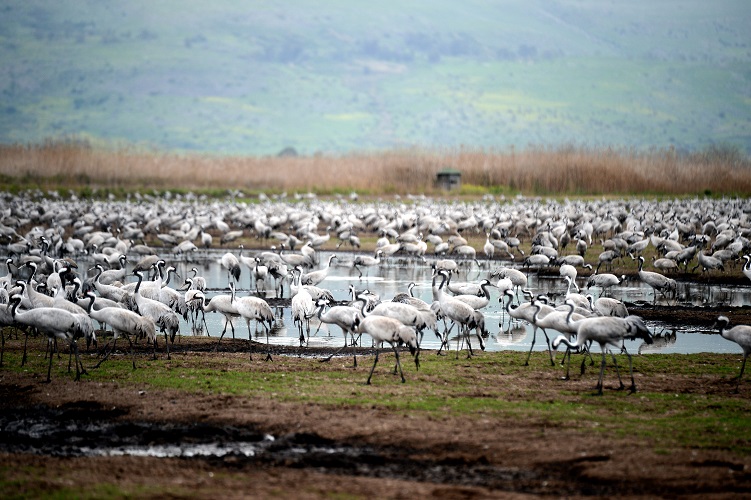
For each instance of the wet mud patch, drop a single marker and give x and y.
(89, 429)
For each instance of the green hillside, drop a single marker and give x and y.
(335, 76)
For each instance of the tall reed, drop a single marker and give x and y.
(536, 170)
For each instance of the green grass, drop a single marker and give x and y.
(479, 388)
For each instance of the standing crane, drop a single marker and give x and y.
(392, 331)
(657, 281)
(741, 335)
(254, 308)
(55, 323)
(345, 317)
(609, 332)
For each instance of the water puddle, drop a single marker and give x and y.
(87, 429)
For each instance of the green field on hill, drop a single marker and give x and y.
(254, 78)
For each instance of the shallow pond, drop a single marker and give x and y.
(394, 275)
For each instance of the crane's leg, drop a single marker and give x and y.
(268, 345)
(203, 315)
(567, 362)
(618, 372)
(398, 363)
(459, 342)
(373, 368)
(74, 348)
(602, 372)
(25, 343)
(106, 352)
(631, 389)
(479, 338)
(534, 336)
(2, 348)
(550, 351)
(222, 335)
(743, 366)
(250, 339)
(132, 351)
(49, 368)
(470, 353)
(446, 335)
(166, 344)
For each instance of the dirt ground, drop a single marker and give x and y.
(398, 457)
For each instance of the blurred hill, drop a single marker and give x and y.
(256, 77)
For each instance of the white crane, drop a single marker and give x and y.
(55, 323)
(604, 281)
(407, 314)
(657, 281)
(392, 331)
(607, 306)
(317, 276)
(225, 305)
(367, 261)
(164, 317)
(230, 262)
(254, 308)
(409, 298)
(198, 282)
(747, 266)
(194, 302)
(250, 262)
(708, 263)
(609, 332)
(488, 248)
(741, 335)
(578, 299)
(303, 309)
(345, 317)
(518, 278)
(477, 302)
(563, 320)
(526, 312)
(112, 276)
(460, 314)
(665, 264)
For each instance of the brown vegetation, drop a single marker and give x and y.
(565, 170)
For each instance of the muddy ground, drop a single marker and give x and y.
(343, 451)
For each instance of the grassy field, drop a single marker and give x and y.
(682, 400)
(535, 171)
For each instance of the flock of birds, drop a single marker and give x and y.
(72, 262)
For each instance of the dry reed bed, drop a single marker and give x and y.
(535, 171)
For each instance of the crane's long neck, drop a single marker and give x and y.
(138, 285)
(570, 313)
(362, 307)
(538, 308)
(90, 295)
(15, 301)
(33, 267)
(568, 343)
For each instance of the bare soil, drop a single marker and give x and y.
(378, 453)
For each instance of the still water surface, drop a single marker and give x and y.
(394, 275)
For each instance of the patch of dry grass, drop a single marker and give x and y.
(564, 170)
